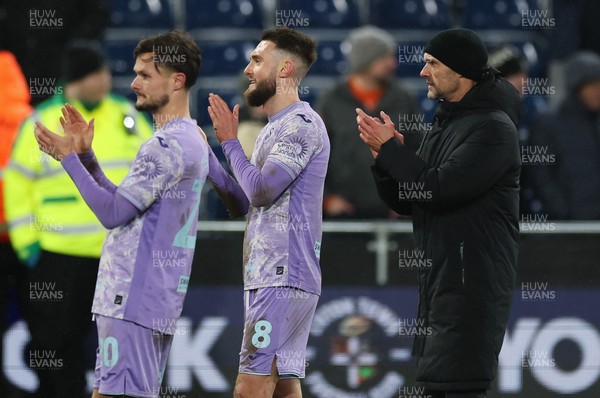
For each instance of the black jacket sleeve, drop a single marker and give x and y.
(472, 168)
(387, 188)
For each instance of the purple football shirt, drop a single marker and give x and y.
(145, 265)
(283, 240)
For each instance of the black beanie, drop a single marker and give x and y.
(461, 50)
(81, 59)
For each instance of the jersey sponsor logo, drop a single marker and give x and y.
(355, 339)
(184, 281)
(295, 149)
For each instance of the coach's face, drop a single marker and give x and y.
(442, 82)
(151, 86)
(262, 72)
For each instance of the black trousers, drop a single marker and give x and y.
(13, 276)
(454, 394)
(60, 294)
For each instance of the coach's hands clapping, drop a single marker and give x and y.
(374, 132)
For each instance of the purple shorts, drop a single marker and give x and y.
(277, 324)
(130, 359)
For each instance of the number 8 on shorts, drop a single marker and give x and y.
(261, 338)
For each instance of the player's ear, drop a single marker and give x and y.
(179, 82)
(285, 68)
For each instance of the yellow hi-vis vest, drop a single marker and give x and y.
(43, 206)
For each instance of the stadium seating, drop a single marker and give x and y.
(410, 14)
(155, 14)
(225, 57)
(329, 14)
(120, 53)
(223, 13)
(495, 14)
(330, 59)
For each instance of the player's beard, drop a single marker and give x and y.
(151, 106)
(261, 93)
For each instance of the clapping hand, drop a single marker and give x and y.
(77, 138)
(225, 122)
(375, 132)
(75, 125)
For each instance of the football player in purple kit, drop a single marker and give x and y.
(284, 183)
(151, 215)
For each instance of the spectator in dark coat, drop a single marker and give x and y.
(564, 150)
(513, 66)
(462, 190)
(350, 191)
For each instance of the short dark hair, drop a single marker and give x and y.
(293, 41)
(174, 50)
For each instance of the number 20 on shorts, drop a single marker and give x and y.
(109, 351)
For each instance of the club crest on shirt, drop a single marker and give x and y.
(148, 166)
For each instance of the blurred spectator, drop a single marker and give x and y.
(507, 59)
(349, 188)
(52, 229)
(565, 179)
(36, 32)
(14, 108)
(514, 67)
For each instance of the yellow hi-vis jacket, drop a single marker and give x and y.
(43, 207)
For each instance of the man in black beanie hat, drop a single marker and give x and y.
(81, 59)
(85, 73)
(462, 190)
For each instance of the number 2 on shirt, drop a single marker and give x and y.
(182, 237)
